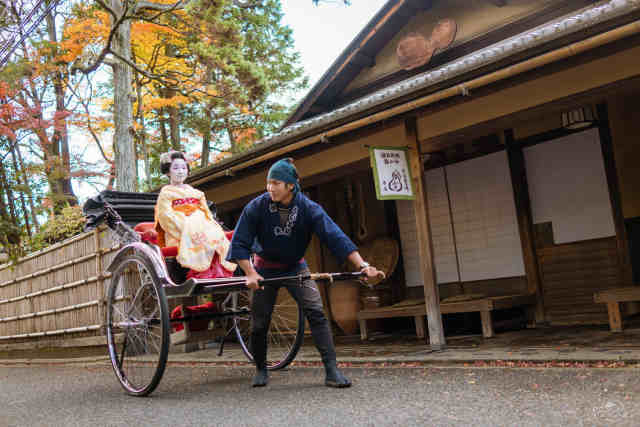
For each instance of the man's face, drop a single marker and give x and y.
(178, 171)
(279, 190)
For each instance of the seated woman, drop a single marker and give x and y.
(183, 219)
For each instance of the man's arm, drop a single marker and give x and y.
(339, 243)
(240, 248)
(252, 275)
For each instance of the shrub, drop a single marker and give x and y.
(60, 227)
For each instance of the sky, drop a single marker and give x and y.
(322, 32)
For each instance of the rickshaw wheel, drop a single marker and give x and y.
(286, 331)
(137, 326)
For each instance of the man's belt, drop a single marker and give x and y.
(262, 263)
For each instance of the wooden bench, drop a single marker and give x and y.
(613, 298)
(483, 305)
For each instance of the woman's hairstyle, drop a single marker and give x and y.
(167, 158)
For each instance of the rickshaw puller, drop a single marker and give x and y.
(277, 227)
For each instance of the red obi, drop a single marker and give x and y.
(187, 201)
(260, 262)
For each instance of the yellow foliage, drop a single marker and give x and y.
(151, 103)
(84, 33)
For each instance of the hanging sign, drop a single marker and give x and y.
(391, 173)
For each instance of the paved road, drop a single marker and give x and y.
(88, 395)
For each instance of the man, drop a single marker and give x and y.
(277, 227)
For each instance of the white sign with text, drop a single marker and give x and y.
(391, 173)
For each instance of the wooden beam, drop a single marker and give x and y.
(419, 4)
(606, 142)
(615, 319)
(522, 201)
(487, 326)
(364, 60)
(425, 244)
(318, 108)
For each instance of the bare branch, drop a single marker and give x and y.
(85, 105)
(248, 4)
(105, 51)
(163, 8)
(145, 73)
(108, 9)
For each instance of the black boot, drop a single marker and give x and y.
(335, 378)
(261, 378)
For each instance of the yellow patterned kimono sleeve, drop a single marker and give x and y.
(171, 221)
(205, 207)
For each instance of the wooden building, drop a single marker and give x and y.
(521, 118)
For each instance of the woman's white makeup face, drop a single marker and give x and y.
(178, 171)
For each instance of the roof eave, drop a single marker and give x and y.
(554, 30)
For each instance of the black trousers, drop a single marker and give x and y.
(308, 296)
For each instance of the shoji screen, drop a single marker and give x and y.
(484, 218)
(568, 187)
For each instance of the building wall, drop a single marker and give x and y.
(624, 118)
(519, 97)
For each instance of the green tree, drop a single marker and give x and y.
(211, 66)
(250, 65)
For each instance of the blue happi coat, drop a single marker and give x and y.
(259, 231)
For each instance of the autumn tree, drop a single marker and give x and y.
(243, 92)
(34, 96)
(211, 65)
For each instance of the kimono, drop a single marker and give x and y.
(183, 219)
(281, 246)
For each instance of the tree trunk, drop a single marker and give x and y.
(8, 216)
(174, 122)
(21, 179)
(232, 140)
(143, 136)
(125, 156)
(163, 130)
(112, 176)
(206, 137)
(32, 206)
(4, 220)
(60, 134)
(206, 140)
(6, 185)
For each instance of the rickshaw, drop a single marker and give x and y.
(138, 321)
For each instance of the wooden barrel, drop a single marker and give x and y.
(345, 304)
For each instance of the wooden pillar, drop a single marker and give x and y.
(522, 201)
(624, 255)
(425, 244)
(101, 294)
(615, 319)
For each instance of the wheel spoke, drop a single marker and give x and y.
(137, 310)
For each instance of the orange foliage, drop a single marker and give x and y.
(84, 33)
(218, 157)
(245, 138)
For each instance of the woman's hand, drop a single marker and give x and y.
(253, 279)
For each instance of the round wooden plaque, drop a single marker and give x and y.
(444, 33)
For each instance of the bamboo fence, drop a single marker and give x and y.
(58, 292)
